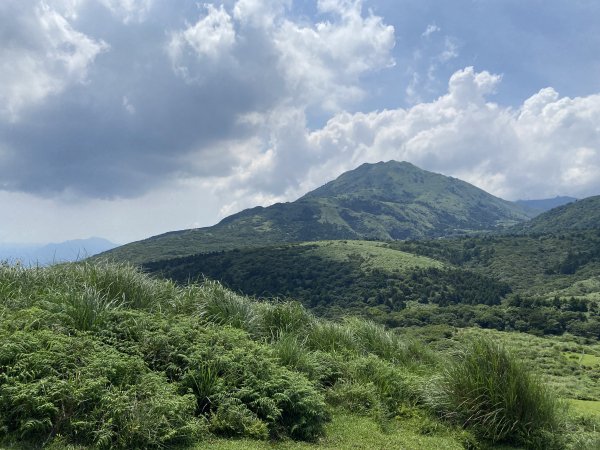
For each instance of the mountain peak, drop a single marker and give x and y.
(381, 201)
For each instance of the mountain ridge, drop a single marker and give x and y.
(580, 215)
(55, 252)
(381, 201)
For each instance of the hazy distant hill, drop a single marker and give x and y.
(383, 201)
(580, 215)
(546, 204)
(72, 250)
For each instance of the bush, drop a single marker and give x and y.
(223, 307)
(331, 337)
(241, 369)
(488, 390)
(286, 317)
(88, 393)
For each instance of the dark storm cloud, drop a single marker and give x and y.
(133, 120)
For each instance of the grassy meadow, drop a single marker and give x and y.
(97, 355)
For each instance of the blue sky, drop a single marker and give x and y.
(125, 119)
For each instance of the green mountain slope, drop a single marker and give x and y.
(383, 201)
(335, 278)
(543, 285)
(546, 204)
(580, 215)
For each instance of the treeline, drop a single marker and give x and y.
(529, 317)
(298, 273)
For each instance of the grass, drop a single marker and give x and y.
(373, 255)
(486, 389)
(103, 355)
(567, 376)
(588, 407)
(347, 431)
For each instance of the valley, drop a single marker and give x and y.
(353, 317)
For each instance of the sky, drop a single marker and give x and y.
(129, 118)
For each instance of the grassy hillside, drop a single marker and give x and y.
(579, 215)
(103, 356)
(336, 277)
(542, 285)
(375, 201)
(562, 264)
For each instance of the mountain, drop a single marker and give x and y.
(580, 215)
(546, 204)
(42, 255)
(382, 201)
(333, 277)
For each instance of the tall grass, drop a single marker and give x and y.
(88, 307)
(486, 389)
(224, 307)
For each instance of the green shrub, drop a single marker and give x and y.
(223, 307)
(488, 390)
(245, 370)
(88, 393)
(331, 337)
(286, 317)
(87, 308)
(291, 352)
(233, 418)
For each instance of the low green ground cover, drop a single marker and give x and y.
(103, 356)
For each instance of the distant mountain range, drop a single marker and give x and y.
(382, 201)
(576, 216)
(73, 250)
(540, 206)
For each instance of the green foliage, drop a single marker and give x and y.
(327, 275)
(53, 384)
(375, 201)
(488, 390)
(284, 317)
(145, 363)
(224, 307)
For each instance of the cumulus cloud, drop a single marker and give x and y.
(323, 62)
(116, 98)
(211, 38)
(549, 145)
(42, 56)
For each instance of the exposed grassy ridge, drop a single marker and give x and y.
(393, 200)
(374, 255)
(104, 356)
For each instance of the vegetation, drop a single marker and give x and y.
(577, 216)
(486, 389)
(104, 356)
(334, 279)
(380, 201)
(520, 283)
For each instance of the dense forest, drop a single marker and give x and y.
(521, 283)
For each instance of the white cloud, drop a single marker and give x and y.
(432, 28)
(128, 10)
(52, 56)
(324, 62)
(208, 40)
(550, 145)
(260, 13)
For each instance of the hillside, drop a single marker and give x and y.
(580, 215)
(103, 356)
(548, 285)
(546, 204)
(383, 201)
